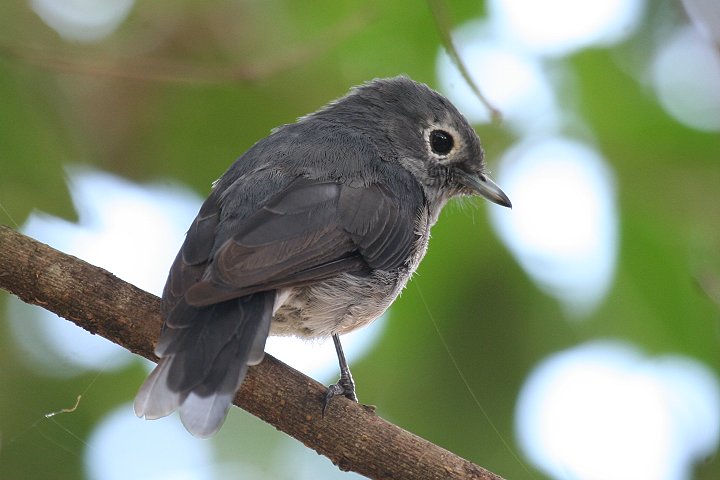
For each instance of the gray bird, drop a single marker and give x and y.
(313, 232)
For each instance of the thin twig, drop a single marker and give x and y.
(439, 14)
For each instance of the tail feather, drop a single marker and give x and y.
(202, 415)
(155, 400)
(204, 362)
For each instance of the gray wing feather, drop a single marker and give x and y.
(310, 232)
(381, 224)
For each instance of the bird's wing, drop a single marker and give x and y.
(311, 230)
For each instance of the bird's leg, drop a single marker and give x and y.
(344, 386)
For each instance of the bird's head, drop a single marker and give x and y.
(430, 138)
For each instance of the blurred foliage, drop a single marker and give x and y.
(183, 88)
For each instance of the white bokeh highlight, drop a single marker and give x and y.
(83, 20)
(686, 76)
(512, 81)
(563, 228)
(130, 230)
(123, 447)
(604, 411)
(560, 27)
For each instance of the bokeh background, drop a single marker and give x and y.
(574, 337)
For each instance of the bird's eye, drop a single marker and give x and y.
(441, 142)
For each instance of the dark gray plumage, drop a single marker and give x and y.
(312, 232)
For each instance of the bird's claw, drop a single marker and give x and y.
(345, 386)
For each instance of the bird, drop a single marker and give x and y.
(313, 232)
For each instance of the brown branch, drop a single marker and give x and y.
(350, 435)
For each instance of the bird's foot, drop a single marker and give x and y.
(345, 386)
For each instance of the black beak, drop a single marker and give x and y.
(482, 185)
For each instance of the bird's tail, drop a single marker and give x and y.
(204, 356)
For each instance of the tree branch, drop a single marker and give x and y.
(350, 435)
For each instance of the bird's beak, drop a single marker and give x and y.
(482, 185)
